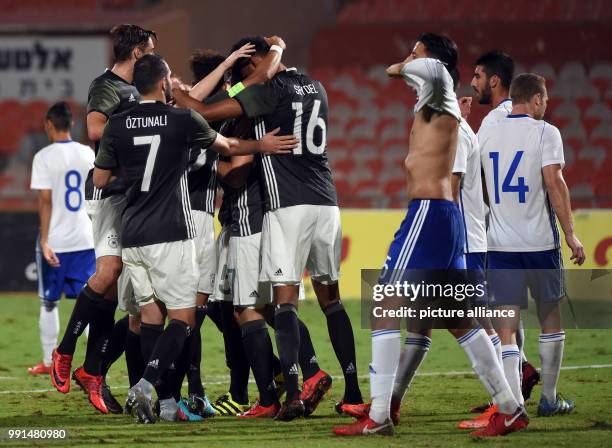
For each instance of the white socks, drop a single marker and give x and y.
(386, 346)
(415, 350)
(511, 362)
(551, 354)
(480, 351)
(496, 341)
(48, 325)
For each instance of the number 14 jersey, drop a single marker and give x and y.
(513, 153)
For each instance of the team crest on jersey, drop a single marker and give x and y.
(113, 241)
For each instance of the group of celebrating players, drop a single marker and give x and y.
(151, 199)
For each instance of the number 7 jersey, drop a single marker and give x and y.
(513, 153)
(298, 105)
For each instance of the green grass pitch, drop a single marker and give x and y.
(436, 402)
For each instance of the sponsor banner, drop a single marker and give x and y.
(50, 67)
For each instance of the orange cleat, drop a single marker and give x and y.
(60, 371)
(357, 411)
(92, 385)
(365, 426)
(502, 424)
(39, 369)
(480, 421)
(259, 411)
(314, 390)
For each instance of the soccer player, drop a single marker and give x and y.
(110, 93)
(151, 144)
(522, 158)
(430, 237)
(64, 253)
(493, 74)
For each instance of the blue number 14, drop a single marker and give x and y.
(507, 187)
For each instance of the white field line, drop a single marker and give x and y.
(225, 379)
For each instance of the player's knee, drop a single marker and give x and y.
(109, 270)
(49, 305)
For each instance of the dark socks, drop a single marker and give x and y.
(287, 334)
(84, 308)
(195, 355)
(307, 357)
(133, 357)
(149, 334)
(342, 339)
(213, 311)
(258, 347)
(116, 345)
(169, 344)
(236, 357)
(100, 330)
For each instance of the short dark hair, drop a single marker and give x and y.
(525, 86)
(148, 71)
(261, 49)
(126, 37)
(498, 63)
(60, 116)
(444, 49)
(203, 62)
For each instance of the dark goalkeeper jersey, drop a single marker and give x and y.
(151, 144)
(108, 94)
(298, 105)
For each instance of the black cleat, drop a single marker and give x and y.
(531, 377)
(110, 401)
(290, 410)
(140, 405)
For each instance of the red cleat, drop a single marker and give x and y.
(259, 411)
(60, 371)
(480, 408)
(314, 390)
(365, 426)
(357, 411)
(480, 421)
(92, 385)
(502, 424)
(39, 369)
(531, 377)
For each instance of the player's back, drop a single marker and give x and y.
(433, 138)
(62, 167)
(513, 153)
(152, 142)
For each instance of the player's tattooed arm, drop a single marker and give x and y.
(558, 194)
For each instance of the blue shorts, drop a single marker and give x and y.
(475, 263)
(69, 277)
(430, 238)
(512, 274)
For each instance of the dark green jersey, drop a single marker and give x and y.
(151, 144)
(298, 105)
(108, 94)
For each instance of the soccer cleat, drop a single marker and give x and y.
(560, 407)
(357, 411)
(226, 406)
(530, 377)
(186, 413)
(140, 405)
(200, 405)
(480, 408)
(290, 410)
(60, 371)
(92, 386)
(502, 424)
(110, 401)
(39, 369)
(314, 390)
(259, 411)
(480, 421)
(365, 426)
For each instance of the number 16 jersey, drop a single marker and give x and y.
(298, 105)
(513, 153)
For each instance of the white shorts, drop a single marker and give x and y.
(105, 217)
(222, 281)
(167, 272)
(243, 261)
(298, 237)
(125, 295)
(205, 249)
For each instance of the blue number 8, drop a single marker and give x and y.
(71, 189)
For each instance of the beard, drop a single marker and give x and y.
(485, 96)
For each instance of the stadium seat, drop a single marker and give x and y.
(601, 76)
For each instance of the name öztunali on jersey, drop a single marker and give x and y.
(146, 122)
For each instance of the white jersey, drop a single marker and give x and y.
(471, 201)
(513, 153)
(62, 167)
(433, 85)
(497, 114)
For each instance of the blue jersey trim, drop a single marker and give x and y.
(517, 115)
(64, 141)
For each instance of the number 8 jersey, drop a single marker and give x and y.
(298, 105)
(513, 153)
